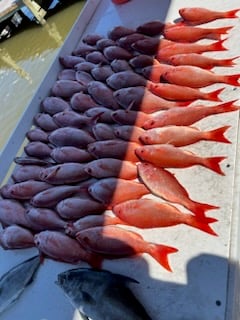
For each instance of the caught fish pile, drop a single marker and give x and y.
(100, 153)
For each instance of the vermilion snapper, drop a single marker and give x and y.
(149, 213)
(183, 33)
(164, 184)
(181, 92)
(177, 48)
(168, 156)
(198, 15)
(116, 242)
(199, 60)
(196, 77)
(182, 135)
(187, 116)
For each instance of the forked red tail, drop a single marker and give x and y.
(160, 253)
(218, 134)
(213, 164)
(199, 209)
(232, 13)
(214, 95)
(203, 224)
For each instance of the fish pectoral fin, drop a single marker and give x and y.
(87, 298)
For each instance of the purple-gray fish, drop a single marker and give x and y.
(101, 294)
(14, 281)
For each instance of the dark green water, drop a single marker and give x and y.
(24, 61)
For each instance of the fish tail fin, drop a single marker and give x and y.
(217, 33)
(213, 164)
(232, 79)
(232, 13)
(214, 95)
(202, 224)
(218, 134)
(160, 253)
(229, 62)
(199, 209)
(227, 106)
(217, 46)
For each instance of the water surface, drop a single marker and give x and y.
(24, 61)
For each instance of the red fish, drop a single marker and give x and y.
(16, 237)
(115, 242)
(79, 206)
(164, 184)
(44, 218)
(111, 191)
(91, 221)
(198, 15)
(110, 167)
(183, 33)
(196, 77)
(199, 60)
(130, 117)
(187, 116)
(154, 72)
(181, 92)
(115, 148)
(177, 48)
(168, 156)
(149, 213)
(182, 135)
(61, 247)
(142, 99)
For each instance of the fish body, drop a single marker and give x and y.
(178, 47)
(12, 212)
(199, 15)
(16, 237)
(187, 116)
(144, 100)
(50, 197)
(101, 294)
(149, 213)
(184, 33)
(129, 133)
(70, 154)
(44, 218)
(64, 173)
(115, 148)
(182, 135)
(14, 281)
(113, 241)
(168, 156)
(37, 149)
(199, 60)
(27, 172)
(79, 206)
(164, 184)
(182, 93)
(130, 117)
(53, 105)
(24, 190)
(91, 221)
(196, 77)
(111, 167)
(111, 191)
(61, 247)
(69, 136)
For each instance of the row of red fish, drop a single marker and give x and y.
(104, 139)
